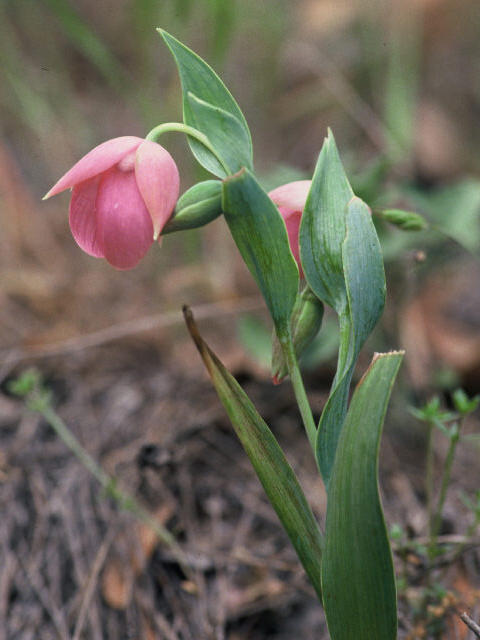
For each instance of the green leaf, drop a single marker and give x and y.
(364, 279)
(260, 234)
(268, 460)
(198, 78)
(322, 230)
(342, 262)
(225, 132)
(358, 579)
(364, 272)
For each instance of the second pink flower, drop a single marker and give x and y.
(290, 199)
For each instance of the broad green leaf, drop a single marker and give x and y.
(198, 78)
(364, 272)
(268, 460)
(365, 289)
(261, 237)
(322, 230)
(225, 132)
(358, 579)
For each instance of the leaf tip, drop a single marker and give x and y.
(392, 352)
(236, 176)
(192, 326)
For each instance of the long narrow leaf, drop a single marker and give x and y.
(358, 579)
(268, 460)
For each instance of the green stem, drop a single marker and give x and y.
(37, 402)
(72, 443)
(429, 477)
(437, 520)
(180, 127)
(298, 387)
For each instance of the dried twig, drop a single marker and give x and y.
(92, 581)
(471, 624)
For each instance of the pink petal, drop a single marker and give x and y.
(292, 195)
(292, 222)
(125, 228)
(99, 159)
(158, 181)
(82, 217)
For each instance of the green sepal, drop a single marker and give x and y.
(272, 468)
(358, 579)
(261, 237)
(198, 78)
(195, 208)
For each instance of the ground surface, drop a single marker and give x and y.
(74, 565)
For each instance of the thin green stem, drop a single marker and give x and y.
(72, 443)
(298, 387)
(39, 403)
(180, 127)
(429, 477)
(437, 520)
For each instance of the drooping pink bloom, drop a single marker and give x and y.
(290, 199)
(123, 193)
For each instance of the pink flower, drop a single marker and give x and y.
(124, 191)
(290, 199)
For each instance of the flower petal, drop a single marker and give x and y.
(292, 222)
(292, 195)
(125, 228)
(83, 219)
(99, 159)
(158, 181)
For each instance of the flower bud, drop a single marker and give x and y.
(198, 206)
(306, 321)
(406, 220)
